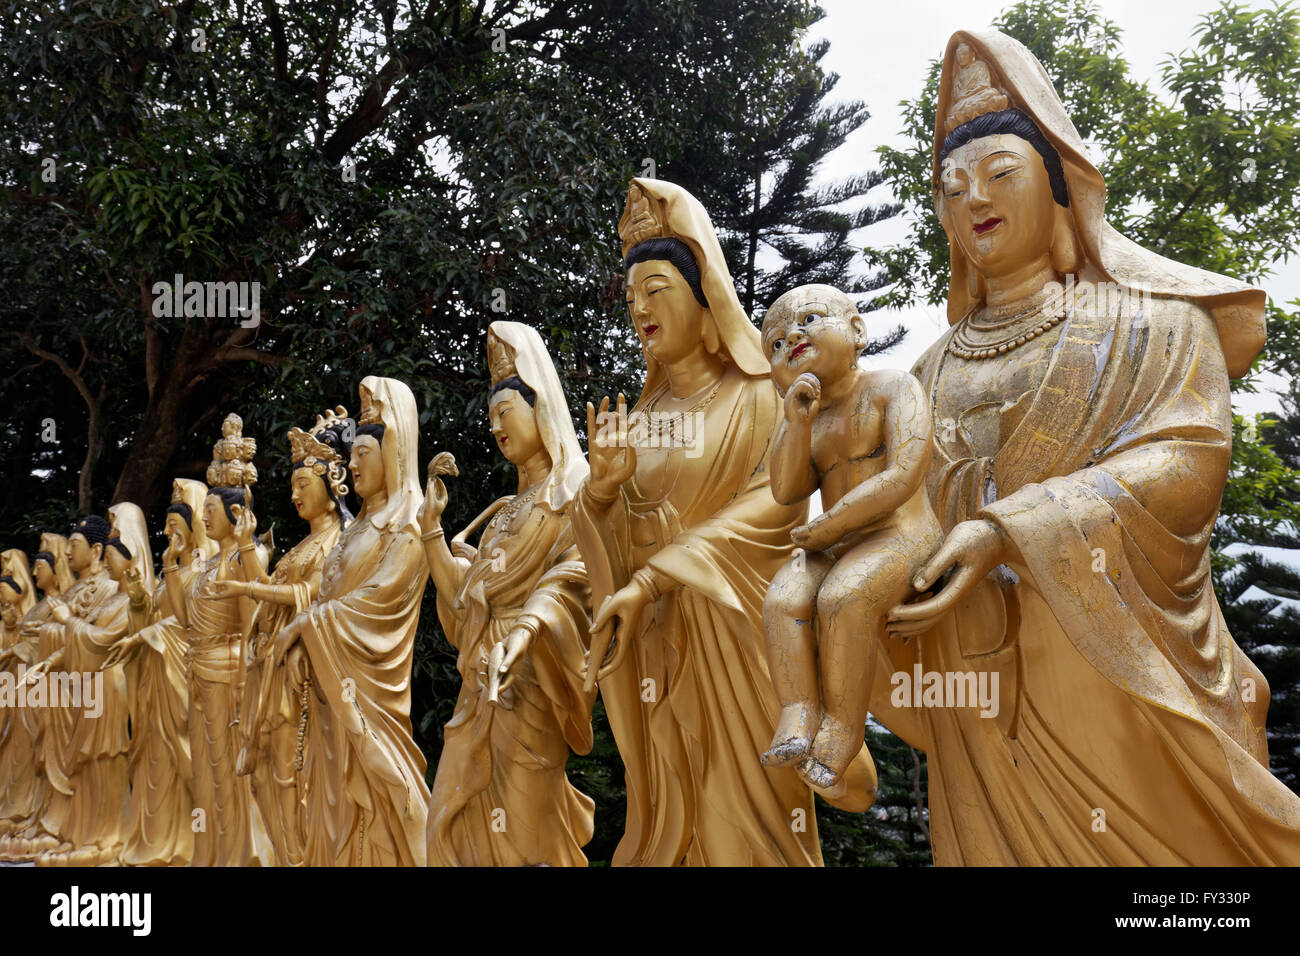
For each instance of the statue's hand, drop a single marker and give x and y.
(296, 666)
(818, 534)
(59, 611)
(614, 626)
(435, 502)
(246, 762)
(804, 399)
(227, 589)
(517, 643)
(245, 525)
(973, 548)
(121, 652)
(36, 672)
(133, 585)
(611, 457)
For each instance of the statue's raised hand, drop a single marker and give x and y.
(804, 398)
(245, 525)
(611, 456)
(435, 492)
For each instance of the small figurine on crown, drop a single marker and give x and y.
(232, 457)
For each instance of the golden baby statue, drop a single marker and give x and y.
(681, 537)
(39, 831)
(366, 802)
(1083, 431)
(228, 830)
(864, 439)
(276, 757)
(160, 827)
(515, 609)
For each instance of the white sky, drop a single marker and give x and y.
(882, 51)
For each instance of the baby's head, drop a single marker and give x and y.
(814, 328)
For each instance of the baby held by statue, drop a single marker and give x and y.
(864, 439)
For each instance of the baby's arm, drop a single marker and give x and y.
(908, 433)
(793, 476)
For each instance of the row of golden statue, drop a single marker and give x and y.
(1031, 505)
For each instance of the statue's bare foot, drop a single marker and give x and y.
(786, 752)
(793, 738)
(822, 778)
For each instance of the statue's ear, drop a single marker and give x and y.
(859, 326)
(1065, 244)
(712, 340)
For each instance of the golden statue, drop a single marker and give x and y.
(681, 536)
(40, 831)
(275, 760)
(228, 829)
(365, 799)
(87, 768)
(864, 440)
(160, 828)
(1083, 431)
(515, 610)
(18, 785)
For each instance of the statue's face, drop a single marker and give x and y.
(174, 525)
(812, 334)
(308, 494)
(514, 426)
(667, 317)
(116, 564)
(8, 595)
(367, 466)
(215, 520)
(44, 575)
(80, 552)
(997, 203)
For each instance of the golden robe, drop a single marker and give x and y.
(501, 796)
(366, 799)
(1121, 690)
(230, 830)
(160, 830)
(693, 706)
(277, 783)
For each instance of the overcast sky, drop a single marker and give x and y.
(882, 51)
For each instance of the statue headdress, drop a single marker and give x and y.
(990, 72)
(324, 460)
(232, 457)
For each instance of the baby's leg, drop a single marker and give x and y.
(792, 654)
(855, 598)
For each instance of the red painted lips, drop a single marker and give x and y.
(986, 225)
(798, 350)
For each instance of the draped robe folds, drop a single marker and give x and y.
(19, 783)
(38, 642)
(1130, 727)
(229, 832)
(276, 783)
(160, 829)
(92, 787)
(692, 706)
(366, 799)
(501, 796)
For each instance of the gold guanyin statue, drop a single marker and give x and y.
(34, 830)
(160, 826)
(681, 537)
(515, 610)
(228, 830)
(276, 757)
(365, 799)
(87, 764)
(1082, 447)
(18, 785)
